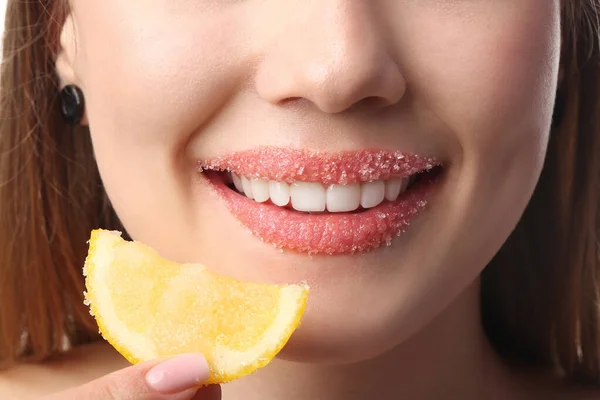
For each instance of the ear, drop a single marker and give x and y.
(65, 63)
(65, 59)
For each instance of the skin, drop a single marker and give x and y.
(469, 82)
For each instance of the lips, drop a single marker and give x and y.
(323, 203)
(301, 165)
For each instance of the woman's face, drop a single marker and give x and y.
(328, 92)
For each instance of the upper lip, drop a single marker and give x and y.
(292, 165)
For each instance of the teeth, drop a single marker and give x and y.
(343, 198)
(372, 194)
(308, 196)
(260, 190)
(280, 193)
(314, 197)
(394, 187)
(247, 186)
(237, 182)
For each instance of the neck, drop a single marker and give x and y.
(450, 358)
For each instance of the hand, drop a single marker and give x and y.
(173, 379)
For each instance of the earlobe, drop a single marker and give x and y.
(65, 60)
(72, 97)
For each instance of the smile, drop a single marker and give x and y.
(323, 203)
(317, 197)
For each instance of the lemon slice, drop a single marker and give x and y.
(147, 307)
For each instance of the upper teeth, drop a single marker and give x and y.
(315, 197)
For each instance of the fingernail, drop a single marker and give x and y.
(178, 374)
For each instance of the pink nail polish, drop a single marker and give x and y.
(178, 374)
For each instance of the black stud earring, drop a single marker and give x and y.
(72, 104)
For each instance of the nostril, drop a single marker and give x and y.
(364, 105)
(368, 104)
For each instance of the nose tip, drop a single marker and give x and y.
(336, 65)
(335, 86)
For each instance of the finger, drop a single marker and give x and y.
(173, 379)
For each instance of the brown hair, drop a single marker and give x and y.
(51, 195)
(539, 295)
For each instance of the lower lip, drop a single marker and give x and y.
(328, 234)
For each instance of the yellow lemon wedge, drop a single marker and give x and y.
(147, 307)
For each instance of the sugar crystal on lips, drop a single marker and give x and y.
(292, 165)
(387, 199)
(327, 233)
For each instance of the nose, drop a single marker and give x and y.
(334, 54)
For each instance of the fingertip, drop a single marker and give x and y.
(178, 374)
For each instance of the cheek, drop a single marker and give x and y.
(151, 79)
(491, 79)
